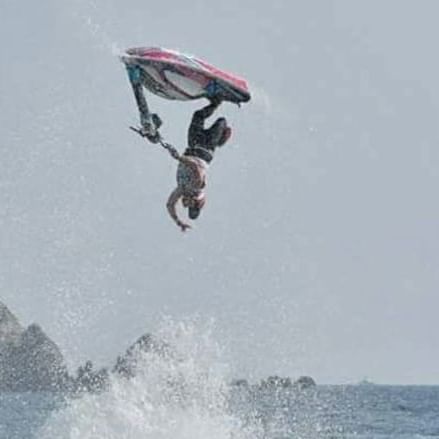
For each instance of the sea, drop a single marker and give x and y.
(362, 412)
(186, 393)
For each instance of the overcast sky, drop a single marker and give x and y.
(317, 252)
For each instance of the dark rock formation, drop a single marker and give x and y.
(275, 382)
(29, 359)
(10, 328)
(240, 382)
(304, 382)
(126, 365)
(89, 380)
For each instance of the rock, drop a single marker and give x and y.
(89, 380)
(304, 382)
(275, 382)
(126, 365)
(29, 359)
(10, 328)
(240, 382)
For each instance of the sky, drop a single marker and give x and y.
(317, 251)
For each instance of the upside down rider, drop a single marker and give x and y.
(194, 162)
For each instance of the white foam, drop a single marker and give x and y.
(180, 395)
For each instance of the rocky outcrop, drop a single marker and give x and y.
(275, 382)
(10, 328)
(240, 382)
(29, 359)
(88, 379)
(126, 365)
(304, 382)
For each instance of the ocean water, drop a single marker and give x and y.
(184, 394)
(326, 412)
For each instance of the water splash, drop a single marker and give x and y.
(89, 17)
(261, 98)
(101, 36)
(179, 393)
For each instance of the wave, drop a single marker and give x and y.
(179, 393)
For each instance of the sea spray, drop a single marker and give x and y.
(180, 392)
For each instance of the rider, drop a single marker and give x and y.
(194, 163)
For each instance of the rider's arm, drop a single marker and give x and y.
(171, 206)
(174, 153)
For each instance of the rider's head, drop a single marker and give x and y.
(194, 204)
(220, 132)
